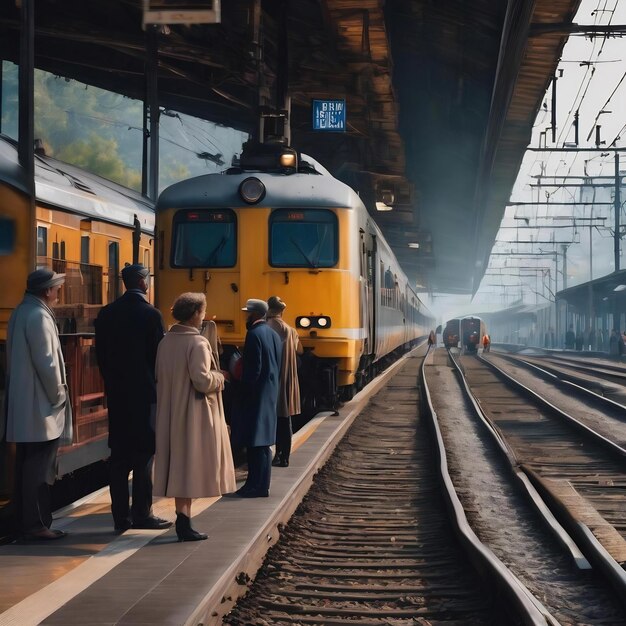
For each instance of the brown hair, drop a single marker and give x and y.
(187, 305)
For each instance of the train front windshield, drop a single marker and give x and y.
(204, 239)
(303, 238)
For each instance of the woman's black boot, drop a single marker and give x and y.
(184, 530)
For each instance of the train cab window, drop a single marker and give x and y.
(303, 238)
(7, 236)
(205, 238)
(42, 241)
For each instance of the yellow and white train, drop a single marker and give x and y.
(86, 227)
(279, 224)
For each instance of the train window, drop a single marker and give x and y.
(42, 241)
(205, 238)
(7, 236)
(303, 238)
(84, 249)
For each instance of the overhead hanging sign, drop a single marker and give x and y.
(329, 115)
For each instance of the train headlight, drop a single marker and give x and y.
(323, 322)
(252, 190)
(303, 322)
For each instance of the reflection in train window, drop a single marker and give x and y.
(204, 239)
(303, 238)
(42, 241)
(7, 236)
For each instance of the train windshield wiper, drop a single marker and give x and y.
(320, 243)
(212, 258)
(301, 251)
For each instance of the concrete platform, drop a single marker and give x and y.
(93, 577)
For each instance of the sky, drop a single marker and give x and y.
(593, 82)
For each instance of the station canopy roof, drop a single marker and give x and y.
(605, 292)
(440, 96)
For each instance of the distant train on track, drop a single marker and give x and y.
(472, 332)
(452, 333)
(469, 331)
(280, 224)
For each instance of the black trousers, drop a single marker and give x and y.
(283, 438)
(36, 463)
(122, 463)
(259, 468)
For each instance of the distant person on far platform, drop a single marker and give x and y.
(288, 403)
(432, 339)
(579, 341)
(38, 411)
(570, 338)
(614, 340)
(486, 343)
(128, 332)
(260, 382)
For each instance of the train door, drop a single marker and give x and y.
(114, 271)
(371, 294)
(364, 295)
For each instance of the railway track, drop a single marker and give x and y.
(597, 376)
(372, 543)
(508, 514)
(582, 474)
(585, 405)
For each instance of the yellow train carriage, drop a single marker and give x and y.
(87, 228)
(312, 292)
(278, 225)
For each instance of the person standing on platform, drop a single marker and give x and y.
(288, 403)
(432, 339)
(128, 332)
(259, 382)
(193, 457)
(570, 338)
(38, 411)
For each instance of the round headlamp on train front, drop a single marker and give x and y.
(318, 321)
(252, 190)
(303, 322)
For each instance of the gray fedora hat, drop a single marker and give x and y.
(255, 306)
(43, 278)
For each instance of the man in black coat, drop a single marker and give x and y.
(128, 332)
(259, 381)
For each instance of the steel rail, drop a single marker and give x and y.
(591, 547)
(544, 511)
(530, 610)
(590, 432)
(552, 374)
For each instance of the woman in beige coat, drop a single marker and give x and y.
(193, 457)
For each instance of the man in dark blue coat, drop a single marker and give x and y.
(128, 332)
(259, 386)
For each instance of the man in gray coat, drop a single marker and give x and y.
(39, 414)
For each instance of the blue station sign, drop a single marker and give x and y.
(329, 115)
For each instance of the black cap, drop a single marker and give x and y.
(43, 278)
(276, 304)
(132, 273)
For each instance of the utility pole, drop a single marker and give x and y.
(617, 207)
